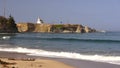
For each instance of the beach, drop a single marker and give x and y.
(59, 34)
(17, 60)
(20, 60)
(90, 50)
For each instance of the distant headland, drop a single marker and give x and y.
(41, 26)
(8, 25)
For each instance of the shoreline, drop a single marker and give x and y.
(21, 60)
(68, 63)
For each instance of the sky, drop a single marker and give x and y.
(98, 14)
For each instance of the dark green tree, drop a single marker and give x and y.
(11, 24)
(2, 20)
(7, 25)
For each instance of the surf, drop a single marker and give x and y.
(70, 55)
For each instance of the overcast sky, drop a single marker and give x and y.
(99, 14)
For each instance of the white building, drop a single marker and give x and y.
(39, 21)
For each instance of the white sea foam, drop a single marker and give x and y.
(38, 52)
(6, 37)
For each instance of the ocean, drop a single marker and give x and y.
(99, 47)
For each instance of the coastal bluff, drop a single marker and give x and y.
(8, 25)
(54, 28)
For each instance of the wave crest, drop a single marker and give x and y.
(70, 39)
(5, 37)
(86, 40)
(38, 52)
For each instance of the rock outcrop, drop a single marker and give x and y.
(25, 27)
(7, 25)
(42, 28)
(54, 28)
(30, 27)
(80, 29)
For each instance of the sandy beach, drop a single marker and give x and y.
(37, 63)
(17, 60)
(20, 60)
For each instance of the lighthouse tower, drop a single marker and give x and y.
(39, 21)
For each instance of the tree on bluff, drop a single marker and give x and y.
(10, 20)
(11, 23)
(7, 25)
(2, 20)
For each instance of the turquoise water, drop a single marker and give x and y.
(101, 47)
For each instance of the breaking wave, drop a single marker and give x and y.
(5, 37)
(39, 52)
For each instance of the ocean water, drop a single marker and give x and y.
(100, 47)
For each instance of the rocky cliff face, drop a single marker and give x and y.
(7, 25)
(30, 27)
(25, 27)
(42, 28)
(54, 28)
(71, 28)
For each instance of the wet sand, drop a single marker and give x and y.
(87, 64)
(58, 62)
(17, 60)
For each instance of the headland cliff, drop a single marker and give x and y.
(8, 25)
(54, 28)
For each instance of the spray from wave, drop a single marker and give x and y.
(5, 37)
(38, 52)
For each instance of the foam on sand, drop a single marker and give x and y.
(39, 52)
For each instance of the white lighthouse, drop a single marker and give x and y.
(39, 21)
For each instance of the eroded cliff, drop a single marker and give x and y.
(54, 28)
